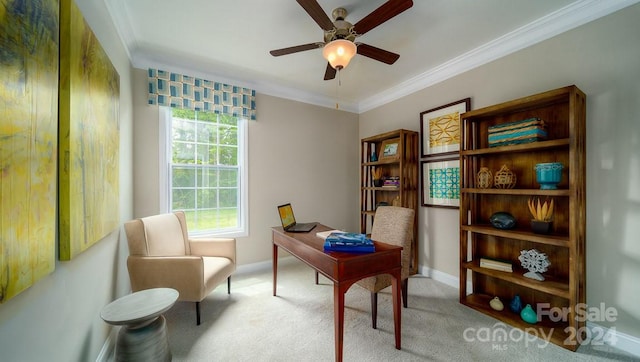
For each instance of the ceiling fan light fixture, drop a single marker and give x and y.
(339, 53)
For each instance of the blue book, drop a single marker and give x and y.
(349, 242)
(362, 248)
(348, 238)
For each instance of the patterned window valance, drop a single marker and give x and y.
(182, 91)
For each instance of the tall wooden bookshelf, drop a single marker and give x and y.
(563, 111)
(403, 164)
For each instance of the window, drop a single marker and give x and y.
(206, 171)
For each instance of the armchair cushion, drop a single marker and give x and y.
(164, 235)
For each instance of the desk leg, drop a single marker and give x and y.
(338, 318)
(396, 290)
(275, 268)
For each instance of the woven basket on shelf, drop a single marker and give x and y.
(505, 178)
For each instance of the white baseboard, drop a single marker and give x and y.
(611, 337)
(439, 276)
(263, 265)
(109, 347)
(599, 334)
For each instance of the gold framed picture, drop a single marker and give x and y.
(389, 149)
(440, 128)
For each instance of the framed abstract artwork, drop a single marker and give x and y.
(440, 128)
(440, 185)
(28, 142)
(89, 137)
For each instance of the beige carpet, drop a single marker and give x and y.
(297, 325)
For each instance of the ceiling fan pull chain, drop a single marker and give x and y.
(338, 90)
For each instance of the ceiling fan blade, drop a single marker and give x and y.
(317, 13)
(330, 73)
(377, 53)
(295, 49)
(385, 12)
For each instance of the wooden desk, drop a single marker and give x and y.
(343, 269)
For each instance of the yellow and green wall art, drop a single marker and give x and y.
(89, 137)
(59, 140)
(29, 33)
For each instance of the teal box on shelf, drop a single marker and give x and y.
(524, 131)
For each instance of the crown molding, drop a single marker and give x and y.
(560, 21)
(122, 23)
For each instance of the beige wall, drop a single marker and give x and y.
(58, 318)
(603, 59)
(298, 153)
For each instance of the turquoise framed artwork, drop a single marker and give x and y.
(89, 138)
(441, 183)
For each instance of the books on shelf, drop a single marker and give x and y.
(391, 181)
(348, 242)
(524, 131)
(496, 264)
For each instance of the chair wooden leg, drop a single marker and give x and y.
(229, 285)
(198, 313)
(316, 278)
(374, 310)
(405, 291)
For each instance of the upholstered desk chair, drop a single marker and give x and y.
(161, 255)
(391, 225)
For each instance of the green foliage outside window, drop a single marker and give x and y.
(205, 172)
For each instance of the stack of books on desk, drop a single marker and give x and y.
(348, 242)
(496, 264)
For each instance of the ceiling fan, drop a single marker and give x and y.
(339, 35)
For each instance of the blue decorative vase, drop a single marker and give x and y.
(529, 315)
(373, 157)
(549, 175)
(516, 304)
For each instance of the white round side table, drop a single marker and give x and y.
(143, 336)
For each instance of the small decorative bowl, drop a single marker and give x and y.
(502, 220)
(549, 175)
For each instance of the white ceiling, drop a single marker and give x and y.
(229, 41)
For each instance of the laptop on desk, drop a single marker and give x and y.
(289, 221)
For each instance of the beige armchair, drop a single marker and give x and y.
(161, 255)
(391, 225)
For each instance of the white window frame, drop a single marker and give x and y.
(164, 176)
